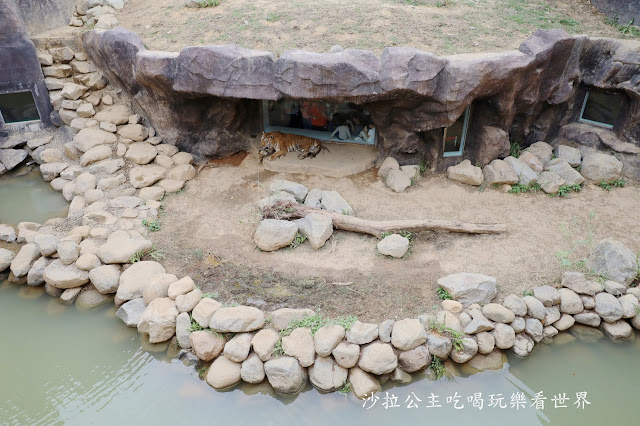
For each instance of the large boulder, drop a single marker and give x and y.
(285, 375)
(469, 288)
(223, 373)
(135, 278)
(59, 275)
(415, 359)
(500, 172)
(10, 158)
(364, 385)
(525, 174)
(281, 318)
(300, 345)
(608, 307)
(317, 228)
(327, 338)
(159, 320)
(408, 334)
(273, 234)
(6, 257)
(601, 168)
(131, 312)
(105, 278)
(91, 137)
(23, 261)
(562, 168)
(120, 247)
(466, 173)
(394, 245)
(238, 319)
(298, 190)
(326, 375)
(397, 180)
(378, 358)
(205, 344)
(615, 261)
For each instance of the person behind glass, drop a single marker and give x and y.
(314, 115)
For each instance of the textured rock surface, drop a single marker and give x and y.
(469, 288)
(531, 85)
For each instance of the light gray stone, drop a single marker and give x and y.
(273, 234)
(615, 261)
(238, 319)
(327, 339)
(500, 172)
(515, 304)
(333, 202)
(326, 375)
(599, 167)
(415, 359)
(550, 182)
(397, 180)
(466, 173)
(378, 358)
(548, 295)
(237, 349)
(223, 373)
(408, 334)
(577, 282)
(346, 354)
(504, 335)
(204, 310)
(298, 190)
(535, 308)
(58, 275)
(588, 318)
(608, 307)
(131, 312)
(135, 278)
(285, 375)
(252, 369)
(25, 258)
(560, 167)
(317, 227)
(469, 350)
(569, 154)
(534, 328)
(263, 343)
(570, 302)
(362, 333)
(498, 313)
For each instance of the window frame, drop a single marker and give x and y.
(595, 123)
(21, 123)
(316, 134)
(463, 139)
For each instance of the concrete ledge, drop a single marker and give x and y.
(341, 160)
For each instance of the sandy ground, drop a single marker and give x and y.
(207, 232)
(457, 26)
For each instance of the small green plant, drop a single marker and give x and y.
(137, 256)
(423, 168)
(346, 322)
(403, 233)
(627, 28)
(527, 292)
(455, 336)
(520, 188)
(437, 367)
(201, 372)
(443, 294)
(151, 225)
(569, 22)
(298, 240)
(618, 183)
(345, 389)
(278, 351)
(195, 326)
(273, 17)
(637, 309)
(155, 254)
(208, 3)
(212, 295)
(515, 150)
(564, 190)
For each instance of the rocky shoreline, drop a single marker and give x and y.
(116, 171)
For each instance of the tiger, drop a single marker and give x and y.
(277, 144)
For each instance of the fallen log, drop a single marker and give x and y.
(288, 210)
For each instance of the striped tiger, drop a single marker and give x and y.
(277, 144)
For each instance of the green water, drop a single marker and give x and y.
(60, 365)
(28, 198)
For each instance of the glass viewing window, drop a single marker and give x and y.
(601, 107)
(18, 107)
(456, 135)
(336, 122)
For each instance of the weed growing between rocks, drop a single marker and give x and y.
(565, 190)
(527, 293)
(298, 240)
(194, 325)
(627, 28)
(437, 367)
(443, 294)
(212, 295)
(519, 188)
(618, 183)
(579, 246)
(345, 389)
(515, 150)
(151, 225)
(455, 336)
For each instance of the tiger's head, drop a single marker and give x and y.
(266, 146)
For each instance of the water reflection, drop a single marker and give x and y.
(28, 198)
(78, 367)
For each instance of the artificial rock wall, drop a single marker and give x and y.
(19, 66)
(207, 98)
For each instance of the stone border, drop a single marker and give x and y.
(96, 252)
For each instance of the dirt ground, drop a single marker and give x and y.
(455, 26)
(207, 232)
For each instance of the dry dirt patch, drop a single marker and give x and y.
(457, 26)
(207, 232)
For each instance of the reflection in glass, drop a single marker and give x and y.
(601, 107)
(455, 135)
(337, 122)
(18, 107)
